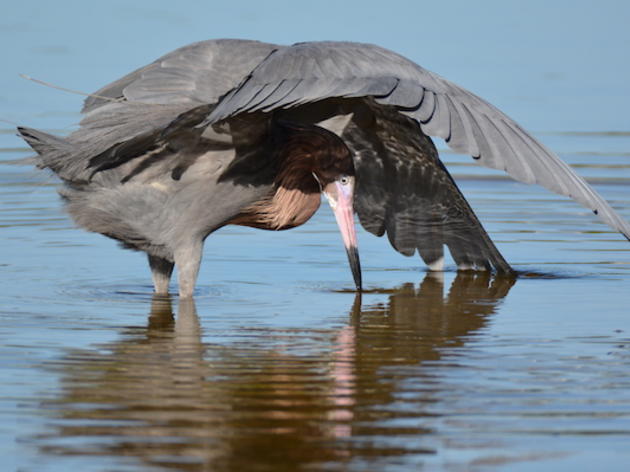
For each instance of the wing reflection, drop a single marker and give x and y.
(380, 368)
(162, 396)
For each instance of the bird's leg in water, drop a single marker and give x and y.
(187, 260)
(161, 271)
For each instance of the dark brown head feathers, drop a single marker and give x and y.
(304, 150)
(301, 152)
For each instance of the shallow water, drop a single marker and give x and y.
(279, 365)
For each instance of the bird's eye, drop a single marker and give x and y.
(344, 180)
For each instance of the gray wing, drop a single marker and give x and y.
(196, 74)
(309, 72)
(155, 95)
(138, 107)
(403, 189)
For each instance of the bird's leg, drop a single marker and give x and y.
(161, 270)
(187, 260)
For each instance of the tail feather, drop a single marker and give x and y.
(43, 143)
(51, 150)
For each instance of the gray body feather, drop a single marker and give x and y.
(145, 165)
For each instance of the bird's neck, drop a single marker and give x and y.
(295, 197)
(299, 152)
(286, 207)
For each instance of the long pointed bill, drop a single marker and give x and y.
(339, 197)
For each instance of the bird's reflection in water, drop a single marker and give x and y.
(164, 397)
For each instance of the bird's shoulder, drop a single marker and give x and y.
(194, 74)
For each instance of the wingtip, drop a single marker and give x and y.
(23, 131)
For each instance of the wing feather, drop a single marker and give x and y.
(404, 190)
(196, 74)
(142, 104)
(468, 123)
(438, 123)
(461, 137)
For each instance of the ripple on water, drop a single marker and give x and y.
(285, 365)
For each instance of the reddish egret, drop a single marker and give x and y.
(242, 132)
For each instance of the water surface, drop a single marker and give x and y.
(278, 365)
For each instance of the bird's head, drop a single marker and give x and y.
(318, 160)
(340, 194)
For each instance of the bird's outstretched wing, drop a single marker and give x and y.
(197, 74)
(404, 190)
(310, 72)
(131, 111)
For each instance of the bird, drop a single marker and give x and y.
(241, 132)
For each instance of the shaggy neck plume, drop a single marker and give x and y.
(300, 153)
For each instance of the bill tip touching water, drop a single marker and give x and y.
(248, 133)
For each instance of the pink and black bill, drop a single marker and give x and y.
(340, 195)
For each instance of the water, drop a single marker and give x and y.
(279, 365)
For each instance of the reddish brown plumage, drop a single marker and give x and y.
(301, 153)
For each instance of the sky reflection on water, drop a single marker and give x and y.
(279, 366)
